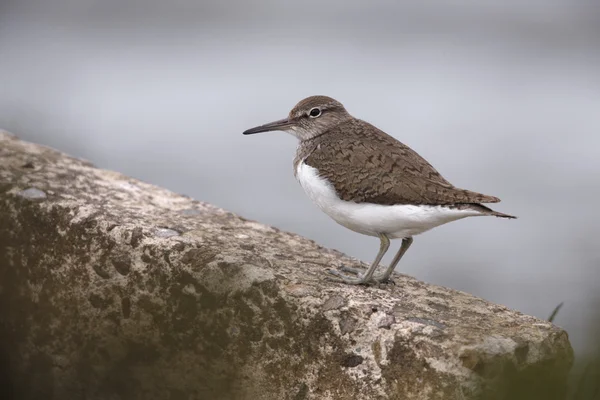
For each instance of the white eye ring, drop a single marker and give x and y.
(314, 112)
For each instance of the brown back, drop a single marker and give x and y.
(366, 165)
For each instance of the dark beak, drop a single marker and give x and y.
(271, 126)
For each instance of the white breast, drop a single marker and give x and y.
(396, 221)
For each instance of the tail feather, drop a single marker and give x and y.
(502, 215)
(489, 211)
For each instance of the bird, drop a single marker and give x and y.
(370, 182)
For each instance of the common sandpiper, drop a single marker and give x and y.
(369, 182)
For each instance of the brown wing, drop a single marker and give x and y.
(365, 165)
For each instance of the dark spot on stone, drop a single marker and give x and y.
(101, 270)
(136, 237)
(347, 324)
(280, 256)
(429, 322)
(256, 297)
(126, 307)
(146, 303)
(122, 264)
(464, 314)
(374, 309)
(247, 246)
(351, 360)
(437, 306)
(198, 257)
(28, 165)
(302, 392)
(178, 246)
(333, 303)
(376, 348)
(434, 293)
(410, 370)
(98, 302)
(386, 321)
(521, 353)
(111, 227)
(90, 222)
(228, 267)
(180, 228)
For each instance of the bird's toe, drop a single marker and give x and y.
(385, 280)
(350, 280)
(351, 270)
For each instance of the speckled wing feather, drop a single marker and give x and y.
(366, 165)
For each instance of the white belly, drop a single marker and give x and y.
(397, 221)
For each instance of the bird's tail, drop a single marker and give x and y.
(502, 215)
(489, 211)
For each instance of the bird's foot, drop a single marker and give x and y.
(385, 281)
(350, 280)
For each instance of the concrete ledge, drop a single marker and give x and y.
(111, 288)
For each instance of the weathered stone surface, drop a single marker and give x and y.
(111, 288)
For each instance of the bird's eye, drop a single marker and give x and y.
(315, 112)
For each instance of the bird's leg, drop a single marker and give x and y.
(367, 276)
(406, 242)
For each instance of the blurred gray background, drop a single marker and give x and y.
(503, 97)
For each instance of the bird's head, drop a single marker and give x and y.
(311, 117)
